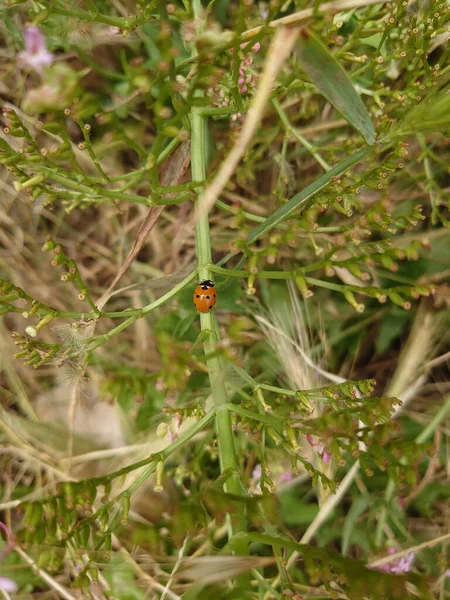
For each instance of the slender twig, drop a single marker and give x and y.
(175, 569)
(412, 549)
(52, 583)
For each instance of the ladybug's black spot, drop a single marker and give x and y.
(197, 296)
(208, 297)
(210, 308)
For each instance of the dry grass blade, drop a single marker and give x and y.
(212, 569)
(392, 557)
(307, 13)
(279, 50)
(420, 348)
(175, 168)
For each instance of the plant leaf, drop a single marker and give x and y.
(332, 82)
(212, 569)
(300, 200)
(357, 508)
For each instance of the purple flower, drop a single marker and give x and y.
(35, 56)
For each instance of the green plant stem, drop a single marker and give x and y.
(208, 324)
(227, 451)
(291, 130)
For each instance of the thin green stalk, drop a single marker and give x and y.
(208, 323)
(290, 130)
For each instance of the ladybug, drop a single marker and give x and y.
(205, 296)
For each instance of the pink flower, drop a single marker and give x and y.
(399, 565)
(35, 56)
(403, 564)
(319, 448)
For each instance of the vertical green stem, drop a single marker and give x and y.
(208, 320)
(208, 323)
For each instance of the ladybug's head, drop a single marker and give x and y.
(207, 283)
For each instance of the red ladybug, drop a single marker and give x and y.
(205, 296)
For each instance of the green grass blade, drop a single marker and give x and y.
(332, 81)
(358, 507)
(301, 200)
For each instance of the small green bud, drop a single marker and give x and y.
(125, 507)
(161, 430)
(350, 297)
(158, 487)
(301, 284)
(398, 300)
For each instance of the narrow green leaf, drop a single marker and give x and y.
(357, 508)
(300, 200)
(332, 81)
